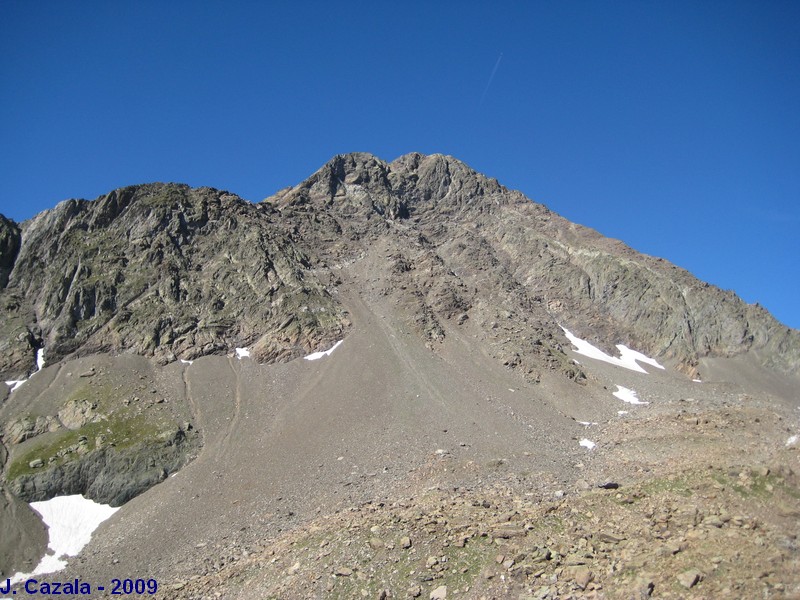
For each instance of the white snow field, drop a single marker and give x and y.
(242, 353)
(70, 522)
(15, 383)
(627, 358)
(318, 355)
(627, 395)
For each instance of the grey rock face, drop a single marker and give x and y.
(19, 430)
(171, 272)
(108, 475)
(163, 271)
(493, 255)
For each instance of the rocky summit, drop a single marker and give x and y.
(392, 380)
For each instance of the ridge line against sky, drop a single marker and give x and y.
(672, 127)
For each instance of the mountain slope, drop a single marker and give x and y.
(454, 385)
(507, 250)
(166, 271)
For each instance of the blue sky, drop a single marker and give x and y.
(673, 126)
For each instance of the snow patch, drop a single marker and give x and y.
(242, 353)
(792, 441)
(627, 358)
(318, 355)
(697, 380)
(187, 362)
(70, 522)
(15, 383)
(586, 423)
(627, 395)
(588, 444)
(622, 412)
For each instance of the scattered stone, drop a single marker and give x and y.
(713, 521)
(440, 593)
(675, 547)
(343, 572)
(376, 543)
(509, 532)
(608, 485)
(414, 591)
(36, 463)
(690, 578)
(645, 587)
(405, 542)
(581, 575)
(608, 538)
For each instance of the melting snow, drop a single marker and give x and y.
(15, 383)
(627, 395)
(589, 444)
(627, 358)
(242, 353)
(318, 355)
(70, 522)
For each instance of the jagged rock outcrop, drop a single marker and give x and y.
(171, 272)
(109, 475)
(163, 271)
(522, 269)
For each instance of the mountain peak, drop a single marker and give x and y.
(412, 184)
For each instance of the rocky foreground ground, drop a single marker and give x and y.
(693, 502)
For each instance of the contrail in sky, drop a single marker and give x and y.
(491, 78)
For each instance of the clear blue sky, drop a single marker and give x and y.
(673, 126)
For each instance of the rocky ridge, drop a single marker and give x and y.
(167, 271)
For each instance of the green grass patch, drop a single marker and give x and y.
(757, 486)
(672, 485)
(121, 430)
(465, 564)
